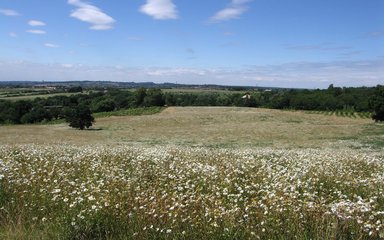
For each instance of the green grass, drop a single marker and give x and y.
(130, 112)
(373, 135)
(33, 96)
(198, 90)
(364, 114)
(343, 113)
(123, 192)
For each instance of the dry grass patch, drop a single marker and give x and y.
(202, 126)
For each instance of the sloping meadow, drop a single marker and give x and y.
(125, 192)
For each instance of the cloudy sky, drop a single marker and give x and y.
(277, 43)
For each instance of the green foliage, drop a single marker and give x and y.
(377, 103)
(75, 89)
(79, 117)
(106, 105)
(223, 100)
(153, 97)
(11, 112)
(334, 99)
(140, 95)
(130, 112)
(207, 99)
(37, 114)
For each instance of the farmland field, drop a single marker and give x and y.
(195, 173)
(208, 126)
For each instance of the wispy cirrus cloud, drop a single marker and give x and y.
(234, 10)
(190, 51)
(343, 51)
(51, 45)
(9, 12)
(91, 14)
(135, 38)
(350, 54)
(36, 23)
(175, 72)
(12, 34)
(36, 31)
(319, 47)
(160, 9)
(376, 34)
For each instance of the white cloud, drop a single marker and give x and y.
(291, 75)
(35, 23)
(78, 3)
(228, 13)
(160, 9)
(91, 14)
(36, 31)
(67, 65)
(135, 38)
(235, 9)
(12, 34)
(172, 72)
(101, 27)
(9, 12)
(51, 45)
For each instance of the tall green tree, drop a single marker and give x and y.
(140, 94)
(79, 117)
(377, 104)
(153, 97)
(37, 114)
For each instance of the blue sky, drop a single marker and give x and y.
(277, 43)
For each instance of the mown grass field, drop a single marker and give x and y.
(195, 173)
(17, 94)
(207, 126)
(30, 97)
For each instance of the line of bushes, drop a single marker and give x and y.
(332, 99)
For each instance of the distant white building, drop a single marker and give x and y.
(246, 96)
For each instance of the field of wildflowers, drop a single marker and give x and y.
(173, 192)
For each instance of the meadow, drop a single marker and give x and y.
(195, 173)
(15, 94)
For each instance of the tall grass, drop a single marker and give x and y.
(120, 192)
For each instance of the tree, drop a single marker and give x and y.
(106, 105)
(223, 100)
(37, 114)
(140, 94)
(75, 89)
(19, 109)
(377, 104)
(153, 97)
(79, 117)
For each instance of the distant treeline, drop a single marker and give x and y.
(56, 107)
(362, 99)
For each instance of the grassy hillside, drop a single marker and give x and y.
(195, 173)
(206, 126)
